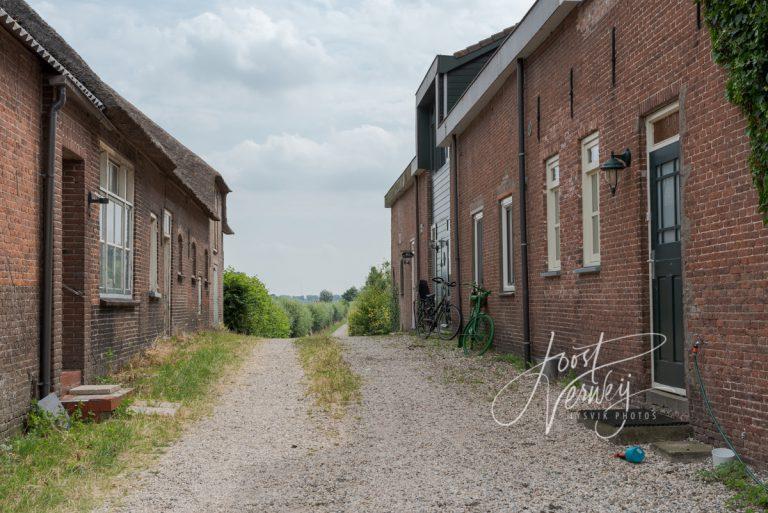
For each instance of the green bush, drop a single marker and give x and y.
(249, 309)
(339, 310)
(322, 315)
(374, 311)
(299, 315)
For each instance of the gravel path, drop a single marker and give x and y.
(422, 439)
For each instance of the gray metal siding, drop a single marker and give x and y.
(441, 200)
(460, 78)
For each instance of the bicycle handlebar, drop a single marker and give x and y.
(438, 279)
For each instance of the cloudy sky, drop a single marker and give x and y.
(306, 107)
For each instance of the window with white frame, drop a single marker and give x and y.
(116, 227)
(507, 246)
(217, 224)
(553, 213)
(590, 198)
(153, 242)
(477, 247)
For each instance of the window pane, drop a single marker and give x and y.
(109, 264)
(102, 266)
(113, 178)
(119, 269)
(555, 172)
(510, 276)
(593, 179)
(595, 234)
(557, 243)
(668, 202)
(118, 226)
(593, 154)
(556, 193)
(103, 209)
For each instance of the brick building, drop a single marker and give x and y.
(128, 245)
(671, 244)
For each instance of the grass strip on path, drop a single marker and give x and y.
(331, 380)
(50, 469)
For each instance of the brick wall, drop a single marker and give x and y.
(661, 58)
(20, 242)
(88, 335)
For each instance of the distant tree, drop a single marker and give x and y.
(326, 296)
(350, 294)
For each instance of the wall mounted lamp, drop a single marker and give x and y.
(95, 198)
(612, 166)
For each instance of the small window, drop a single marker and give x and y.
(507, 250)
(116, 227)
(217, 224)
(194, 260)
(590, 198)
(153, 236)
(553, 213)
(167, 223)
(207, 265)
(181, 255)
(199, 297)
(477, 250)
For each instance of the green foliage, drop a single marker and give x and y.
(326, 296)
(350, 294)
(516, 361)
(299, 315)
(339, 310)
(249, 309)
(374, 311)
(739, 31)
(322, 315)
(749, 494)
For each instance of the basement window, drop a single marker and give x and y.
(116, 227)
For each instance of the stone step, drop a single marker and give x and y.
(96, 406)
(647, 426)
(70, 379)
(683, 451)
(94, 389)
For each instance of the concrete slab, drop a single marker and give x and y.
(155, 408)
(94, 389)
(683, 451)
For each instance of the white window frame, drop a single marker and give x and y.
(217, 224)
(590, 176)
(507, 246)
(554, 234)
(167, 224)
(477, 249)
(154, 249)
(110, 162)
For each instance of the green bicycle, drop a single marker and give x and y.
(478, 334)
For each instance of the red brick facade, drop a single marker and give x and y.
(662, 58)
(90, 334)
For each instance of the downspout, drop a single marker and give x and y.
(523, 220)
(48, 208)
(455, 190)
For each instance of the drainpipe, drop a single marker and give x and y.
(523, 220)
(50, 201)
(455, 189)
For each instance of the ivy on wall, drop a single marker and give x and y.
(739, 31)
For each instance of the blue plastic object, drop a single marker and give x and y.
(634, 454)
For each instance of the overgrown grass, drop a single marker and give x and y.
(749, 497)
(516, 361)
(331, 380)
(54, 470)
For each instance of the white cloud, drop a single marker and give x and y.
(306, 106)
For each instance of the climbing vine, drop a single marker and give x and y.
(739, 31)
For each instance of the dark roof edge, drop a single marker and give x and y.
(402, 184)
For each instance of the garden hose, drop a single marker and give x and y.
(708, 406)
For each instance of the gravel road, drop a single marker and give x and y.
(422, 439)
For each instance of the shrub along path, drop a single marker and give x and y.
(421, 439)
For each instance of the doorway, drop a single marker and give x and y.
(215, 296)
(666, 291)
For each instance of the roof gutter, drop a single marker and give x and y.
(536, 26)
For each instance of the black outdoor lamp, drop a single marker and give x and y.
(407, 255)
(612, 166)
(95, 198)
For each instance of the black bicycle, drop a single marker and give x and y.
(442, 317)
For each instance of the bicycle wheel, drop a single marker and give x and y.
(479, 341)
(421, 324)
(448, 322)
(466, 336)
